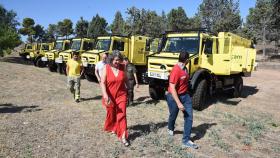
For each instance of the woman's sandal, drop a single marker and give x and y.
(125, 142)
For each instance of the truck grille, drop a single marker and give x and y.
(65, 57)
(50, 56)
(161, 66)
(90, 60)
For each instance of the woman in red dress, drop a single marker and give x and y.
(115, 96)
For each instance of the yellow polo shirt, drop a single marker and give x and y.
(74, 67)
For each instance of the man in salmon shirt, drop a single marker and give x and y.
(178, 98)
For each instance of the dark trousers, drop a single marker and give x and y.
(130, 87)
(188, 114)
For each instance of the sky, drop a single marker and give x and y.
(46, 12)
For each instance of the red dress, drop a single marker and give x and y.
(116, 112)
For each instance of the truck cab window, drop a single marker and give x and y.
(118, 45)
(208, 46)
(67, 46)
(86, 46)
(148, 43)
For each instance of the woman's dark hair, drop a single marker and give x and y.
(183, 57)
(112, 56)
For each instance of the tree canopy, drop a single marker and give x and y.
(97, 26)
(65, 28)
(81, 28)
(220, 15)
(9, 38)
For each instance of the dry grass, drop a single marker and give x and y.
(39, 119)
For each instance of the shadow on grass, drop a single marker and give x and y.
(10, 108)
(141, 99)
(92, 98)
(249, 90)
(199, 130)
(148, 102)
(225, 97)
(16, 60)
(141, 130)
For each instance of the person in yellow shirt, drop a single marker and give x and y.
(74, 70)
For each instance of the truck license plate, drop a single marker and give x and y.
(158, 75)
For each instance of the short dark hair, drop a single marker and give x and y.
(183, 57)
(76, 53)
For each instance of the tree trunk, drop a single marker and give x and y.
(264, 41)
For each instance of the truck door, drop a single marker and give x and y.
(121, 46)
(138, 51)
(207, 54)
(214, 56)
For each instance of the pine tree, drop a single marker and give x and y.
(220, 15)
(177, 19)
(9, 38)
(118, 25)
(97, 27)
(51, 33)
(65, 28)
(39, 32)
(260, 24)
(81, 28)
(28, 28)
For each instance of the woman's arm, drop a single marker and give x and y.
(175, 96)
(97, 75)
(103, 86)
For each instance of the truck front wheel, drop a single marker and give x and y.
(40, 63)
(61, 68)
(199, 96)
(52, 67)
(89, 77)
(238, 87)
(156, 92)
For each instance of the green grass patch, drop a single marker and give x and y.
(218, 140)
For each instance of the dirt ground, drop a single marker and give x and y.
(38, 118)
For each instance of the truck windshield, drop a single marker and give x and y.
(181, 44)
(76, 45)
(29, 47)
(45, 47)
(103, 44)
(58, 45)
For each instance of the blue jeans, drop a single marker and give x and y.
(188, 114)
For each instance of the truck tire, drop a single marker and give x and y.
(199, 95)
(40, 63)
(35, 62)
(52, 67)
(156, 93)
(238, 87)
(63, 67)
(59, 68)
(89, 77)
